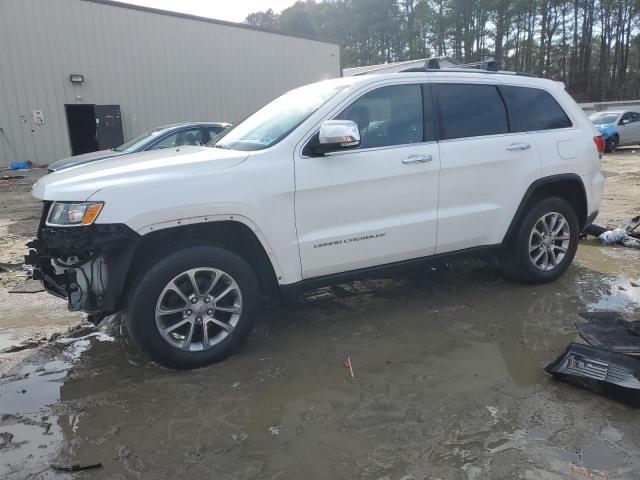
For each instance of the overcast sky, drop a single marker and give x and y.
(231, 10)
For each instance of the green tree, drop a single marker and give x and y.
(591, 45)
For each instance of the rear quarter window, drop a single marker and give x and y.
(533, 109)
(469, 110)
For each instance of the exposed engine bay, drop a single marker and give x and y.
(85, 265)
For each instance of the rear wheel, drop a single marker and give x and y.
(193, 307)
(611, 144)
(544, 243)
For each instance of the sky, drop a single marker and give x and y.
(230, 10)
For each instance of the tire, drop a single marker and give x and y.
(155, 303)
(519, 264)
(611, 144)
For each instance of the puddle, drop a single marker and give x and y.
(448, 383)
(609, 260)
(7, 339)
(601, 456)
(30, 320)
(26, 455)
(612, 289)
(35, 388)
(28, 394)
(619, 295)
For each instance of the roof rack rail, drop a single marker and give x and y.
(487, 66)
(433, 63)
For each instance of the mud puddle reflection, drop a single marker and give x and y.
(448, 383)
(29, 433)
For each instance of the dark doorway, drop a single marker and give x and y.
(82, 129)
(94, 127)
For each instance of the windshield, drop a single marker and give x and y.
(139, 141)
(279, 118)
(604, 118)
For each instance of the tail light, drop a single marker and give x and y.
(600, 143)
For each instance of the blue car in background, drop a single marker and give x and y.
(618, 128)
(194, 133)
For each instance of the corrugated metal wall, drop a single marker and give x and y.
(159, 68)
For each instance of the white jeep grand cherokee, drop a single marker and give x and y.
(332, 181)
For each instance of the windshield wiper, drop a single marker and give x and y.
(217, 145)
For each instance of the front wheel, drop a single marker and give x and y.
(544, 243)
(194, 307)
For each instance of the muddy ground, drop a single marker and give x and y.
(448, 364)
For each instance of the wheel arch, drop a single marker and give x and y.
(614, 136)
(232, 235)
(568, 186)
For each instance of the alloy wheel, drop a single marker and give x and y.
(549, 241)
(198, 309)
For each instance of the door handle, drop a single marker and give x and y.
(519, 146)
(417, 159)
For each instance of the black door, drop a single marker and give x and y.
(108, 126)
(82, 128)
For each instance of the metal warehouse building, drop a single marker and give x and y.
(123, 69)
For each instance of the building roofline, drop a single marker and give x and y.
(188, 16)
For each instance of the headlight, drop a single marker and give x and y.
(64, 214)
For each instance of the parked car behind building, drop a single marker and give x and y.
(618, 128)
(175, 135)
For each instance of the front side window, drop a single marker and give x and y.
(470, 110)
(626, 118)
(140, 141)
(278, 119)
(630, 117)
(388, 116)
(177, 139)
(533, 109)
(214, 131)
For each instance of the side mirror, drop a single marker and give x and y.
(337, 135)
(624, 121)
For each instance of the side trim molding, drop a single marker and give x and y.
(389, 269)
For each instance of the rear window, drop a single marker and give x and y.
(467, 110)
(532, 109)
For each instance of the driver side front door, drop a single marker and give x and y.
(375, 204)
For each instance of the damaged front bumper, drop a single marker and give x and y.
(87, 265)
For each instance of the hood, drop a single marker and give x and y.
(82, 159)
(137, 170)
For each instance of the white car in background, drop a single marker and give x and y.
(618, 128)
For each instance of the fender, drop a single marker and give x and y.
(219, 218)
(536, 186)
